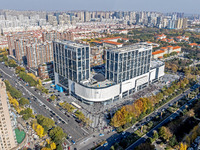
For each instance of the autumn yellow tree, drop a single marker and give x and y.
(45, 148)
(33, 76)
(12, 100)
(183, 146)
(53, 146)
(48, 141)
(38, 129)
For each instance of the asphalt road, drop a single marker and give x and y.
(42, 106)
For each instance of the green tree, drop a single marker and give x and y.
(27, 113)
(67, 106)
(5, 58)
(27, 78)
(173, 141)
(145, 146)
(53, 97)
(155, 134)
(23, 101)
(45, 122)
(159, 96)
(13, 92)
(12, 63)
(56, 134)
(165, 133)
(6, 63)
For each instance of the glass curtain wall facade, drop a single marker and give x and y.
(122, 65)
(71, 61)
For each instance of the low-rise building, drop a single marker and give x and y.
(165, 50)
(193, 44)
(160, 36)
(111, 44)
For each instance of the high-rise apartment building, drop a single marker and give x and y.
(39, 53)
(7, 133)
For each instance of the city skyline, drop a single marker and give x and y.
(113, 5)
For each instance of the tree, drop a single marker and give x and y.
(13, 92)
(165, 133)
(12, 63)
(173, 141)
(27, 78)
(67, 106)
(159, 96)
(53, 97)
(53, 145)
(23, 101)
(56, 134)
(12, 100)
(45, 122)
(46, 148)
(183, 146)
(5, 58)
(80, 115)
(59, 147)
(39, 130)
(145, 146)
(165, 55)
(27, 113)
(19, 69)
(155, 134)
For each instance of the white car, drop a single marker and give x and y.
(133, 126)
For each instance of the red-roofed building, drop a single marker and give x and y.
(113, 39)
(182, 38)
(112, 44)
(193, 44)
(97, 43)
(171, 41)
(160, 37)
(157, 54)
(165, 50)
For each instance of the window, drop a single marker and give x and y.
(87, 52)
(111, 65)
(79, 76)
(120, 57)
(116, 66)
(112, 56)
(87, 74)
(69, 54)
(108, 55)
(116, 57)
(83, 53)
(87, 64)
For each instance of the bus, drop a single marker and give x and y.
(76, 105)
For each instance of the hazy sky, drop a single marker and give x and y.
(186, 6)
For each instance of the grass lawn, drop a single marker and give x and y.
(20, 135)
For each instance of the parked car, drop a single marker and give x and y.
(101, 134)
(123, 133)
(73, 142)
(105, 144)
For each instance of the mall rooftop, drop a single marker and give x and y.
(131, 47)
